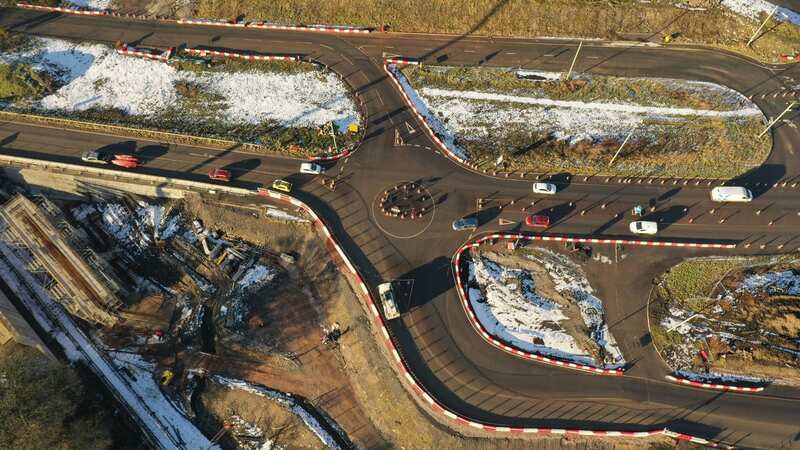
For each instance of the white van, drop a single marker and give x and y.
(387, 301)
(731, 194)
(312, 168)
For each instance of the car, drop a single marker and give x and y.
(282, 185)
(220, 175)
(731, 194)
(465, 223)
(387, 301)
(537, 221)
(126, 163)
(311, 168)
(644, 227)
(544, 188)
(95, 156)
(126, 156)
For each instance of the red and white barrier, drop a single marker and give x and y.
(719, 387)
(82, 12)
(320, 28)
(498, 343)
(696, 440)
(408, 62)
(421, 118)
(419, 389)
(212, 22)
(145, 53)
(246, 56)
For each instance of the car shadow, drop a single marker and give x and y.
(151, 152)
(242, 167)
(667, 217)
(119, 147)
(760, 179)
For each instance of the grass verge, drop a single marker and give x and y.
(618, 19)
(699, 305)
(594, 88)
(699, 148)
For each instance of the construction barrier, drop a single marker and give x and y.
(321, 28)
(250, 57)
(78, 11)
(365, 294)
(408, 62)
(146, 53)
(508, 348)
(389, 71)
(719, 387)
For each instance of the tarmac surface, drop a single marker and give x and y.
(433, 334)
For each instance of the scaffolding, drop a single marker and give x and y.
(72, 273)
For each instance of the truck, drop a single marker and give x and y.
(387, 301)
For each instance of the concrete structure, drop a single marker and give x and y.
(14, 327)
(75, 276)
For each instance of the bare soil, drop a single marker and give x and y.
(744, 333)
(281, 426)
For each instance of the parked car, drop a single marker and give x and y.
(220, 175)
(731, 194)
(311, 168)
(537, 221)
(94, 156)
(282, 185)
(544, 188)
(465, 223)
(644, 227)
(387, 301)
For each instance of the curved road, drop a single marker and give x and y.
(435, 338)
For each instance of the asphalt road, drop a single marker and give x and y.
(449, 358)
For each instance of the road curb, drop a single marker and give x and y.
(377, 319)
(714, 386)
(516, 351)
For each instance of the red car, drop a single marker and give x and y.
(126, 161)
(220, 175)
(537, 221)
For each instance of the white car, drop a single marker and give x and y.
(731, 194)
(312, 168)
(544, 188)
(387, 301)
(644, 227)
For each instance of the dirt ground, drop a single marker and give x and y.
(354, 382)
(281, 426)
(743, 332)
(574, 325)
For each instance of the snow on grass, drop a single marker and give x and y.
(517, 315)
(713, 377)
(430, 117)
(480, 114)
(508, 307)
(283, 215)
(773, 283)
(92, 4)
(255, 277)
(287, 401)
(752, 9)
(95, 76)
(569, 279)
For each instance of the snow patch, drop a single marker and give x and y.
(283, 215)
(256, 276)
(286, 400)
(773, 283)
(752, 9)
(508, 306)
(96, 76)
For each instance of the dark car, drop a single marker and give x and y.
(465, 223)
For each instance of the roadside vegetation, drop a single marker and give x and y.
(701, 148)
(596, 88)
(742, 312)
(619, 19)
(525, 121)
(47, 405)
